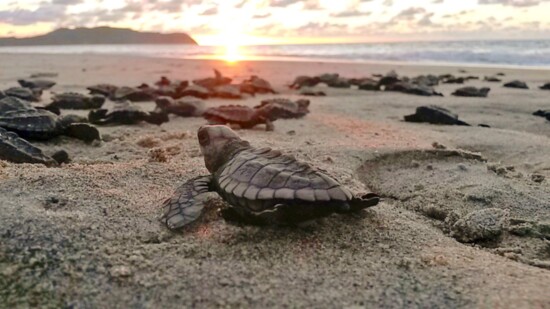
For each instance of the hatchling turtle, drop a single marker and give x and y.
(8, 104)
(305, 81)
(516, 84)
(227, 92)
(454, 80)
(472, 92)
(406, 87)
(32, 95)
(543, 113)
(17, 150)
(435, 115)
(312, 93)
(195, 91)
(212, 82)
(369, 84)
(545, 86)
(243, 116)
(106, 90)
(255, 85)
(73, 100)
(284, 108)
(134, 94)
(126, 113)
(184, 107)
(389, 79)
(339, 83)
(260, 186)
(2, 95)
(492, 79)
(164, 81)
(42, 84)
(41, 124)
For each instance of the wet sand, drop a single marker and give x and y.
(87, 234)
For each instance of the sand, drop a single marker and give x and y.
(87, 235)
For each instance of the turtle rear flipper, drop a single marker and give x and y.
(157, 118)
(365, 201)
(186, 205)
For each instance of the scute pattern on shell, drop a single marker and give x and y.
(263, 174)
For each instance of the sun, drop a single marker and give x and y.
(232, 53)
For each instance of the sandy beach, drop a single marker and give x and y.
(87, 234)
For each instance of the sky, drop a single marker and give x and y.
(224, 22)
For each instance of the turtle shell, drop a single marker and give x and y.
(435, 115)
(133, 94)
(284, 108)
(263, 182)
(106, 90)
(17, 150)
(11, 104)
(36, 83)
(472, 92)
(33, 123)
(73, 100)
(236, 114)
(24, 94)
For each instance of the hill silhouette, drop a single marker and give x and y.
(99, 35)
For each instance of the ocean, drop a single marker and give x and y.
(524, 53)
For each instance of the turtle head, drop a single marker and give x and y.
(218, 144)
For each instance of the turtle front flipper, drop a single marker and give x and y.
(365, 201)
(186, 205)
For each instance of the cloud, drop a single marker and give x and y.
(350, 13)
(283, 3)
(516, 3)
(209, 12)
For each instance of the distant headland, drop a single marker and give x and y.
(99, 35)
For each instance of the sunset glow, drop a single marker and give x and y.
(259, 22)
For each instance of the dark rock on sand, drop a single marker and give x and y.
(435, 115)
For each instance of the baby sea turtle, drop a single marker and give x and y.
(126, 113)
(543, 113)
(211, 82)
(261, 186)
(8, 104)
(369, 85)
(73, 100)
(227, 92)
(435, 115)
(255, 85)
(134, 94)
(492, 79)
(41, 84)
(516, 84)
(41, 124)
(106, 90)
(243, 116)
(406, 87)
(24, 93)
(472, 92)
(340, 82)
(284, 108)
(195, 91)
(545, 86)
(305, 81)
(17, 150)
(312, 93)
(184, 107)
